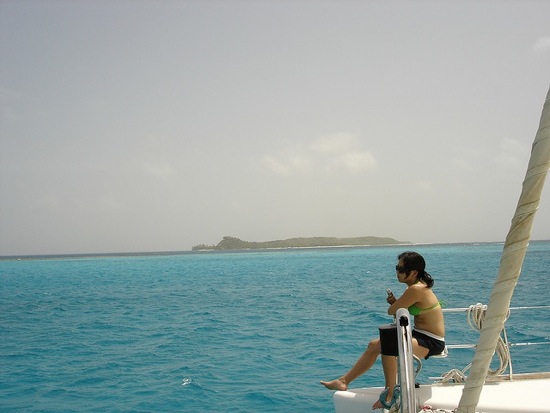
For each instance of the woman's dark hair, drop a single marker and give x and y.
(414, 261)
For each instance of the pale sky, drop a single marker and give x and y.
(133, 126)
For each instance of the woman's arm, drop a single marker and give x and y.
(410, 296)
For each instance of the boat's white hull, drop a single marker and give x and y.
(525, 394)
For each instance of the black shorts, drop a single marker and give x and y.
(433, 345)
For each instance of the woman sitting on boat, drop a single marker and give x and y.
(428, 332)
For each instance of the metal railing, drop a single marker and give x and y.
(406, 371)
(405, 361)
(505, 345)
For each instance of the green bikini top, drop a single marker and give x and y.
(414, 310)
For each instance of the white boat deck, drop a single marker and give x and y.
(525, 394)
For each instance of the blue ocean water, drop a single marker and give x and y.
(230, 332)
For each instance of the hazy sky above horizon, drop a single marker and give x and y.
(159, 125)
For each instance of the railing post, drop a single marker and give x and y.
(406, 369)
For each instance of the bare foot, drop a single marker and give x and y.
(337, 384)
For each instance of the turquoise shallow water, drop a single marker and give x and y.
(230, 332)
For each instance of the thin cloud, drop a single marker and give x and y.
(159, 169)
(276, 166)
(356, 161)
(512, 154)
(329, 154)
(109, 203)
(462, 164)
(542, 45)
(335, 144)
(49, 202)
(425, 187)
(8, 98)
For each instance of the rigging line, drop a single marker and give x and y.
(530, 308)
(466, 346)
(463, 309)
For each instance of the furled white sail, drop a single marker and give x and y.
(511, 262)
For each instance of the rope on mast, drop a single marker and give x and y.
(511, 262)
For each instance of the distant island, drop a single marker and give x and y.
(233, 243)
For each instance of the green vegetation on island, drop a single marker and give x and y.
(232, 243)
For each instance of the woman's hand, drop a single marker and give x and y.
(391, 299)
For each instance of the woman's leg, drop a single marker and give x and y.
(418, 350)
(361, 366)
(389, 364)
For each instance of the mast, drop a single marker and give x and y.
(511, 262)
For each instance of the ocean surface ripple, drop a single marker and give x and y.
(229, 332)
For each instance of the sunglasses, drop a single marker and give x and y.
(400, 269)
